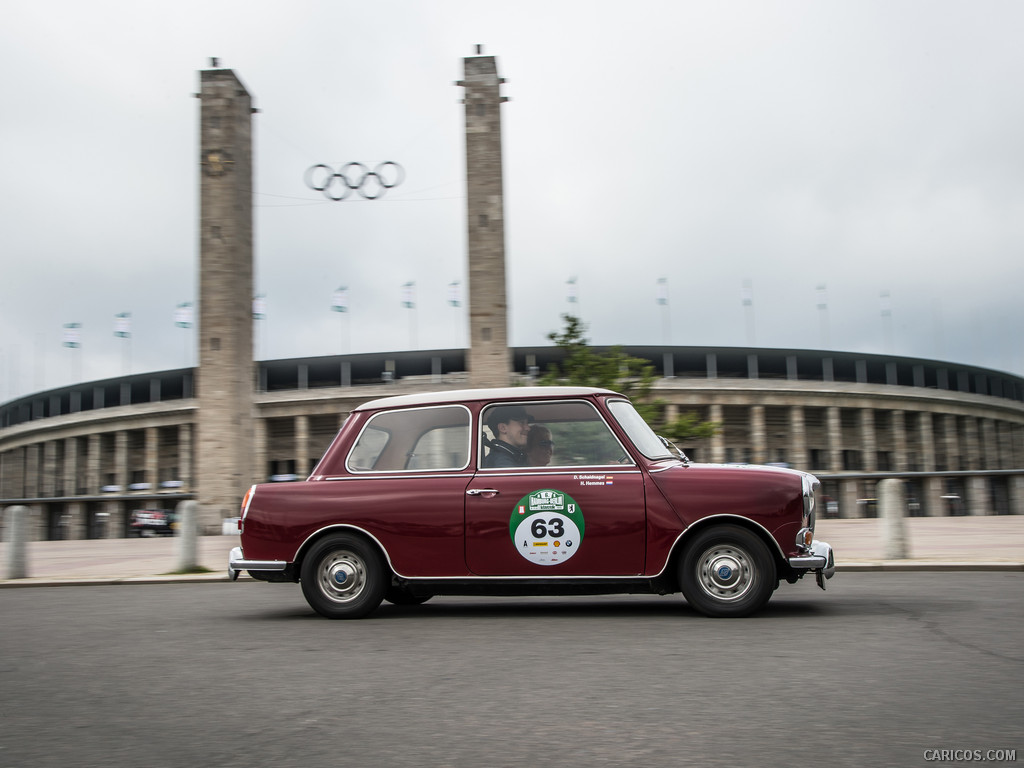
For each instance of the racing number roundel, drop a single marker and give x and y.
(546, 527)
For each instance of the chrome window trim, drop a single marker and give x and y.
(407, 474)
(526, 404)
(587, 469)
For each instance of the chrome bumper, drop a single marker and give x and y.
(819, 559)
(237, 564)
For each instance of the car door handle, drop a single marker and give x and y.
(487, 493)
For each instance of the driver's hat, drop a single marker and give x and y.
(506, 413)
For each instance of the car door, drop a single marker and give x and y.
(582, 515)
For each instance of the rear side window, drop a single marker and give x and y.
(413, 439)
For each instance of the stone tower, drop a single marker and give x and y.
(225, 377)
(488, 361)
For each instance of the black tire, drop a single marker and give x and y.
(727, 571)
(399, 596)
(343, 577)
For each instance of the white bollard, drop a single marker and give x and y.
(892, 508)
(187, 527)
(17, 544)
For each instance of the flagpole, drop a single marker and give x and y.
(259, 312)
(455, 301)
(73, 341)
(662, 299)
(123, 331)
(572, 296)
(748, 304)
(409, 302)
(339, 304)
(183, 320)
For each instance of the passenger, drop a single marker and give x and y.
(539, 446)
(510, 426)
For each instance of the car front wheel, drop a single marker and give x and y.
(727, 571)
(342, 577)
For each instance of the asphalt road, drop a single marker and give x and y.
(873, 672)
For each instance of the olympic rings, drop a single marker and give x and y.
(369, 184)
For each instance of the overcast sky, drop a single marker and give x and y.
(741, 150)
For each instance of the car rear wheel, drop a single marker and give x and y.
(727, 571)
(342, 577)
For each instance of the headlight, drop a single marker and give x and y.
(811, 488)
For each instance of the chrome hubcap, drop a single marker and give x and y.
(725, 572)
(342, 576)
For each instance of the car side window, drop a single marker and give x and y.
(367, 449)
(441, 448)
(413, 439)
(560, 434)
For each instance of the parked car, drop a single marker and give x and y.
(152, 522)
(417, 496)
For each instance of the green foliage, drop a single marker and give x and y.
(615, 370)
(583, 367)
(688, 427)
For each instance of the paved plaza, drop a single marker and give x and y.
(935, 543)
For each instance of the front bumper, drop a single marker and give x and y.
(819, 559)
(237, 563)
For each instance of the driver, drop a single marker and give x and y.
(510, 426)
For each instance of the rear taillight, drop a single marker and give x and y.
(246, 500)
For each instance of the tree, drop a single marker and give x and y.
(614, 369)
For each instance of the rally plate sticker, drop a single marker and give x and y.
(546, 526)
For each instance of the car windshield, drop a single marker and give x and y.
(639, 432)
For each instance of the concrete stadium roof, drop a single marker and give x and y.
(449, 364)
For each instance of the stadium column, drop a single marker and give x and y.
(718, 439)
(798, 438)
(488, 357)
(223, 446)
(758, 435)
(834, 437)
(1017, 461)
(898, 421)
(868, 440)
(152, 458)
(48, 479)
(117, 511)
(933, 503)
(302, 446)
(977, 491)
(185, 469)
(93, 464)
(75, 510)
(1017, 495)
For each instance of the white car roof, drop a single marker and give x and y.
(467, 395)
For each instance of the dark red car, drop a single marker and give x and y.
(443, 494)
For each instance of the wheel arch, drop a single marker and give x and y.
(671, 567)
(328, 530)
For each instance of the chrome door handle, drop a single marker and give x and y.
(488, 492)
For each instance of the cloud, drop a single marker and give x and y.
(869, 146)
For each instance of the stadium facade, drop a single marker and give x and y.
(85, 456)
